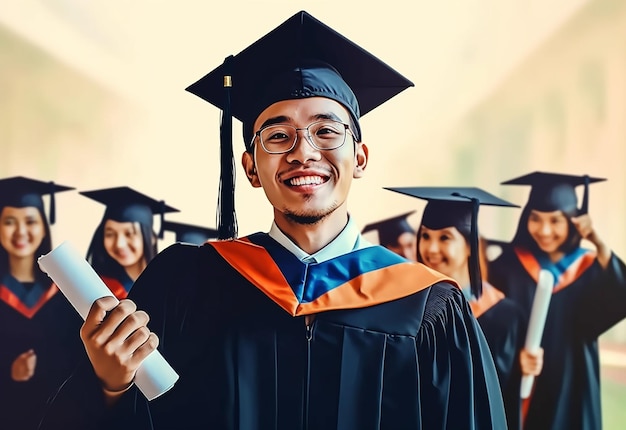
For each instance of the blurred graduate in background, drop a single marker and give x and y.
(448, 241)
(589, 297)
(395, 234)
(39, 341)
(189, 233)
(125, 240)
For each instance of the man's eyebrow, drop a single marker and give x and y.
(275, 120)
(281, 119)
(328, 115)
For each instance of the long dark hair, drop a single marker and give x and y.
(44, 248)
(104, 264)
(523, 239)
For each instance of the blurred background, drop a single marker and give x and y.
(92, 96)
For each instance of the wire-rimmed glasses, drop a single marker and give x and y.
(323, 135)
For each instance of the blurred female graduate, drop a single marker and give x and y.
(589, 297)
(39, 342)
(125, 241)
(448, 241)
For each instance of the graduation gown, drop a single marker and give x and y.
(503, 324)
(262, 341)
(586, 301)
(36, 317)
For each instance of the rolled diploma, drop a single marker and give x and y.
(538, 314)
(82, 286)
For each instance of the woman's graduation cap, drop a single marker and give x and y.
(555, 191)
(301, 58)
(456, 207)
(391, 228)
(190, 233)
(123, 204)
(20, 192)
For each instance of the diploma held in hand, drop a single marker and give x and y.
(538, 314)
(82, 286)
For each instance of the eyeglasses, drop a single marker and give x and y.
(322, 135)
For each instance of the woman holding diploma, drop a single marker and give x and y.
(125, 241)
(39, 340)
(445, 238)
(588, 298)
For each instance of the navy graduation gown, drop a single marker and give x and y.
(586, 302)
(504, 326)
(34, 317)
(262, 341)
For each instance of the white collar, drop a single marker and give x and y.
(348, 240)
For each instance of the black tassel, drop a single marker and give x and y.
(474, 263)
(476, 282)
(584, 208)
(162, 214)
(226, 217)
(52, 204)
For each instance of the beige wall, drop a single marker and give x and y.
(58, 125)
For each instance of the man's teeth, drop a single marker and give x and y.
(306, 180)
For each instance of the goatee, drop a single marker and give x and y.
(305, 219)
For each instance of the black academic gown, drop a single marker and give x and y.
(585, 303)
(389, 345)
(46, 323)
(503, 324)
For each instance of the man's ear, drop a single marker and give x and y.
(247, 161)
(361, 156)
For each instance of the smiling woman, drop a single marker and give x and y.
(125, 241)
(38, 328)
(589, 296)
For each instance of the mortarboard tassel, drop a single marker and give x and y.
(52, 205)
(584, 208)
(476, 282)
(162, 214)
(226, 217)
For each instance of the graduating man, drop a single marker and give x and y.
(307, 326)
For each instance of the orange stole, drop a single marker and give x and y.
(115, 286)
(255, 264)
(488, 299)
(12, 300)
(573, 272)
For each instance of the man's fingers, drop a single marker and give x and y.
(99, 309)
(145, 349)
(133, 324)
(104, 316)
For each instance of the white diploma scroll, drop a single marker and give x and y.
(538, 314)
(82, 286)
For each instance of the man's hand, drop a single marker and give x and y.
(117, 341)
(23, 367)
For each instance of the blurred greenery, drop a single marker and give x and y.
(613, 401)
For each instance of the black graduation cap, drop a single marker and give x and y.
(123, 204)
(300, 58)
(555, 191)
(391, 228)
(19, 192)
(456, 207)
(190, 233)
